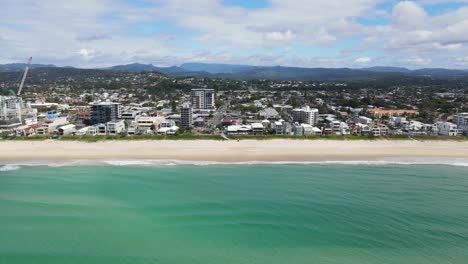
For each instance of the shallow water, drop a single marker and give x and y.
(234, 214)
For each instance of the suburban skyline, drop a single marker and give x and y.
(353, 33)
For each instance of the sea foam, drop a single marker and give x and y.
(159, 163)
(9, 167)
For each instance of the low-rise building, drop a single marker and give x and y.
(150, 121)
(378, 130)
(364, 120)
(131, 115)
(448, 129)
(278, 128)
(67, 130)
(115, 127)
(258, 129)
(461, 120)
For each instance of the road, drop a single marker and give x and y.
(218, 115)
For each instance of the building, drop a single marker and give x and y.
(89, 130)
(365, 120)
(448, 129)
(101, 129)
(335, 126)
(10, 112)
(258, 129)
(378, 130)
(269, 114)
(305, 115)
(231, 121)
(131, 115)
(203, 98)
(239, 130)
(115, 127)
(186, 116)
(278, 128)
(50, 126)
(168, 128)
(461, 120)
(103, 112)
(360, 129)
(150, 121)
(379, 113)
(344, 129)
(67, 130)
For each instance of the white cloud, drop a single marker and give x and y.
(363, 60)
(417, 61)
(280, 36)
(91, 33)
(87, 53)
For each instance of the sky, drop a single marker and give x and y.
(301, 33)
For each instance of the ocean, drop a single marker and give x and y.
(239, 213)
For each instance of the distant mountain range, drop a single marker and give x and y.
(285, 73)
(262, 72)
(20, 66)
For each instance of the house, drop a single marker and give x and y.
(278, 128)
(257, 129)
(448, 129)
(269, 114)
(50, 126)
(89, 130)
(344, 129)
(101, 129)
(379, 113)
(26, 130)
(229, 121)
(365, 120)
(42, 130)
(150, 121)
(378, 130)
(131, 115)
(360, 129)
(132, 128)
(115, 127)
(67, 130)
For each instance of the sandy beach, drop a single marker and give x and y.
(232, 151)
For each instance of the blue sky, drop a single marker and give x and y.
(305, 33)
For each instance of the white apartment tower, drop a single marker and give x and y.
(305, 115)
(10, 111)
(203, 98)
(461, 120)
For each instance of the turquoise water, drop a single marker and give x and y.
(234, 214)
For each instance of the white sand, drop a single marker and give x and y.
(232, 151)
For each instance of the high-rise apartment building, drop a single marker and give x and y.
(186, 116)
(203, 98)
(103, 112)
(305, 115)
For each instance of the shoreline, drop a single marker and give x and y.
(245, 151)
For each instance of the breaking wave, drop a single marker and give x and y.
(157, 163)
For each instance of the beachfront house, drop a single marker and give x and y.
(67, 130)
(448, 129)
(115, 127)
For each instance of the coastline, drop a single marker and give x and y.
(245, 151)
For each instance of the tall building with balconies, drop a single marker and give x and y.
(305, 115)
(103, 112)
(186, 116)
(203, 98)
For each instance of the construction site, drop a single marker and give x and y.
(13, 111)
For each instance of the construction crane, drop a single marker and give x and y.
(24, 76)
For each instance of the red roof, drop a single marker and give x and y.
(230, 119)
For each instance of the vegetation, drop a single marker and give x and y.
(188, 136)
